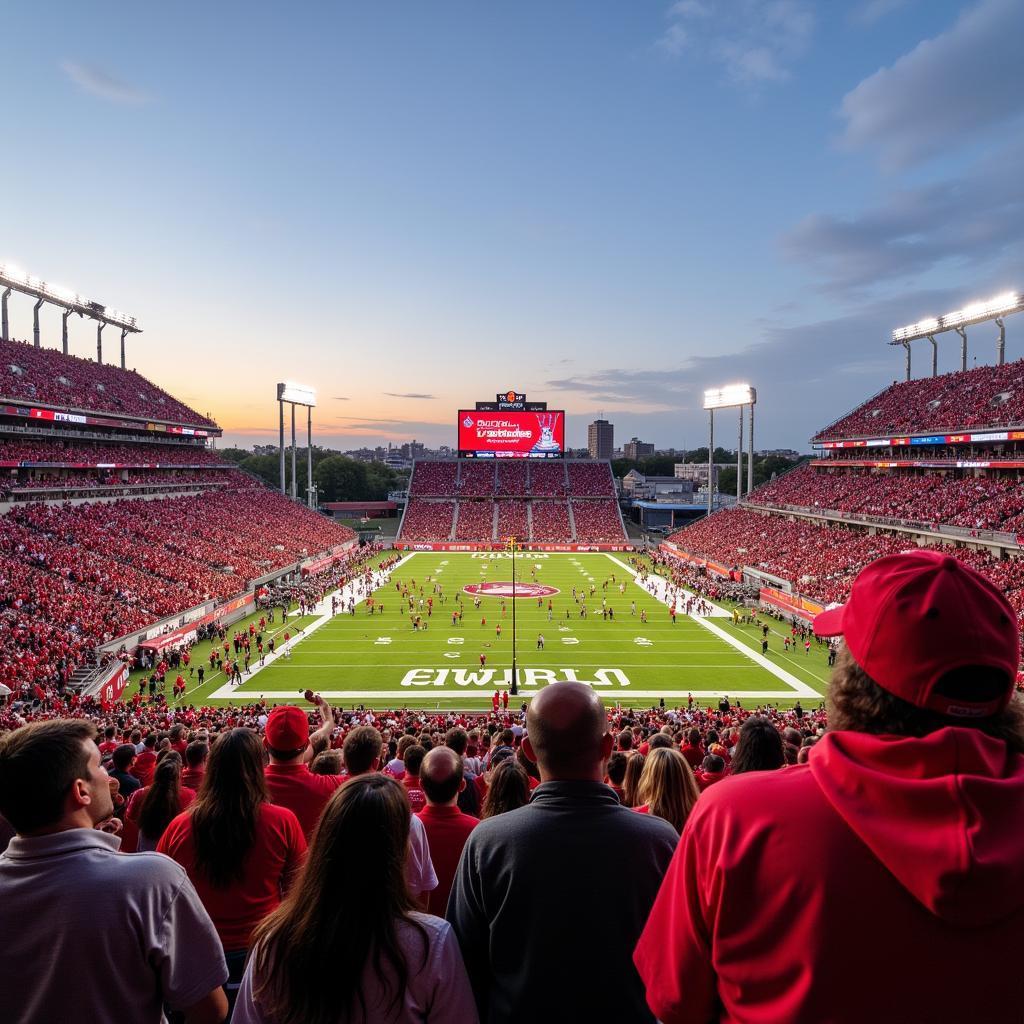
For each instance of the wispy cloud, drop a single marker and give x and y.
(755, 41)
(339, 398)
(407, 394)
(917, 109)
(871, 11)
(640, 389)
(100, 83)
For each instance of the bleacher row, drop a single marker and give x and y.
(47, 376)
(486, 502)
(468, 478)
(71, 452)
(596, 520)
(986, 396)
(976, 503)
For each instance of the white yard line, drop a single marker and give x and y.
(396, 698)
(230, 691)
(800, 689)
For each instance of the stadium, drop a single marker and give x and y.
(748, 739)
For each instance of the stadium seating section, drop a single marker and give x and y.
(87, 453)
(987, 396)
(530, 510)
(977, 503)
(48, 377)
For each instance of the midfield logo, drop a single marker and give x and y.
(503, 588)
(494, 677)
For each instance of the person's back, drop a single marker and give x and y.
(530, 903)
(89, 934)
(884, 879)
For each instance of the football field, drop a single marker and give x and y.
(625, 645)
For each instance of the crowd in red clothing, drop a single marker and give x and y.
(550, 521)
(986, 396)
(75, 576)
(821, 559)
(476, 521)
(47, 376)
(977, 503)
(597, 522)
(427, 520)
(65, 451)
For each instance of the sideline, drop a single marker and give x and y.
(799, 689)
(231, 691)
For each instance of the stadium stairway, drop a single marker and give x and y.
(572, 518)
(494, 523)
(529, 519)
(455, 515)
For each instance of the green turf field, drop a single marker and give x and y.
(379, 660)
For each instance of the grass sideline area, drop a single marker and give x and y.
(378, 659)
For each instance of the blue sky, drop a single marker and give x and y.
(609, 204)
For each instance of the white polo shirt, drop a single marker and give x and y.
(95, 935)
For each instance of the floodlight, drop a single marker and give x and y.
(298, 394)
(975, 312)
(730, 395)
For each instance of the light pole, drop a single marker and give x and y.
(730, 397)
(511, 544)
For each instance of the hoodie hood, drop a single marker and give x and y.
(944, 814)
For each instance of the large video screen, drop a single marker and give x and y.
(508, 435)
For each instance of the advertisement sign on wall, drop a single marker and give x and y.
(497, 435)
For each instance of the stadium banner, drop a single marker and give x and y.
(719, 570)
(175, 637)
(58, 416)
(902, 442)
(792, 603)
(114, 687)
(511, 434)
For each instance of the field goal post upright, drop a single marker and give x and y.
(511, 544)
(730, 397)
(292, 394)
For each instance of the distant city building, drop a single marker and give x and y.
(635, 449)
(780, 453)
(601, 439)
(658, 488)
(698, 471)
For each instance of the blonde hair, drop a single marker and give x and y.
(667, 786)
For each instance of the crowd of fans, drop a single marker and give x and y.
(550, 522)
(986, 396)
(977, 503)
(590, 479)
(597, 522)
(106, 483)
(469, 478)
(76, 576)
(512, 519)
(427, 520)
(47, 376)
(548, 480)
(476, 479)
(62, 451)
(434, 479)
(820, 559)
(512, 479)
(476, 521)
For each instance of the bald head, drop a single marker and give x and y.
(567, 729)
(441, 775)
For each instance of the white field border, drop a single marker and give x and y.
(245, 691)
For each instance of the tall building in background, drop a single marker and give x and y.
(636, 449)
(600, 439)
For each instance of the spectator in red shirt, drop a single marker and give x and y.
(411, 780)
(290, 746)
(145, 761)
(447, 828)
(693, 749)
(896, 848)
(109, 744)
(239, 850)
(194, 771)
(712, 770)
(152, 808)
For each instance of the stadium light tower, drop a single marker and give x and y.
(730, 397)
(293, 395)
(993, 310)
(14, 279)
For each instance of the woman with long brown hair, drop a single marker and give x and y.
(509, 788)
(151, 809)
(239, 850)
(667, 787)
(370, 957)
(631, 781)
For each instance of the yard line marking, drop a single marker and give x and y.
(391, 698)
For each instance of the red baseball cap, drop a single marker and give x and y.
(287, 728)
(912, 618)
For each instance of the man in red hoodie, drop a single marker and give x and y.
(883, 880)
